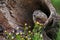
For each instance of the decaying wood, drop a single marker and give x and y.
(15, 13)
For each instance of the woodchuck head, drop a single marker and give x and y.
(39, 16)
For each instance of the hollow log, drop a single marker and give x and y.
(14, 14)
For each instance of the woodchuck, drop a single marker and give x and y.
(39, 16)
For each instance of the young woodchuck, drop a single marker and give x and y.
(39, 16)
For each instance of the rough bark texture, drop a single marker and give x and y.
(15, 13)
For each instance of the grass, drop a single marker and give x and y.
(35, 35)
(56, 4)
